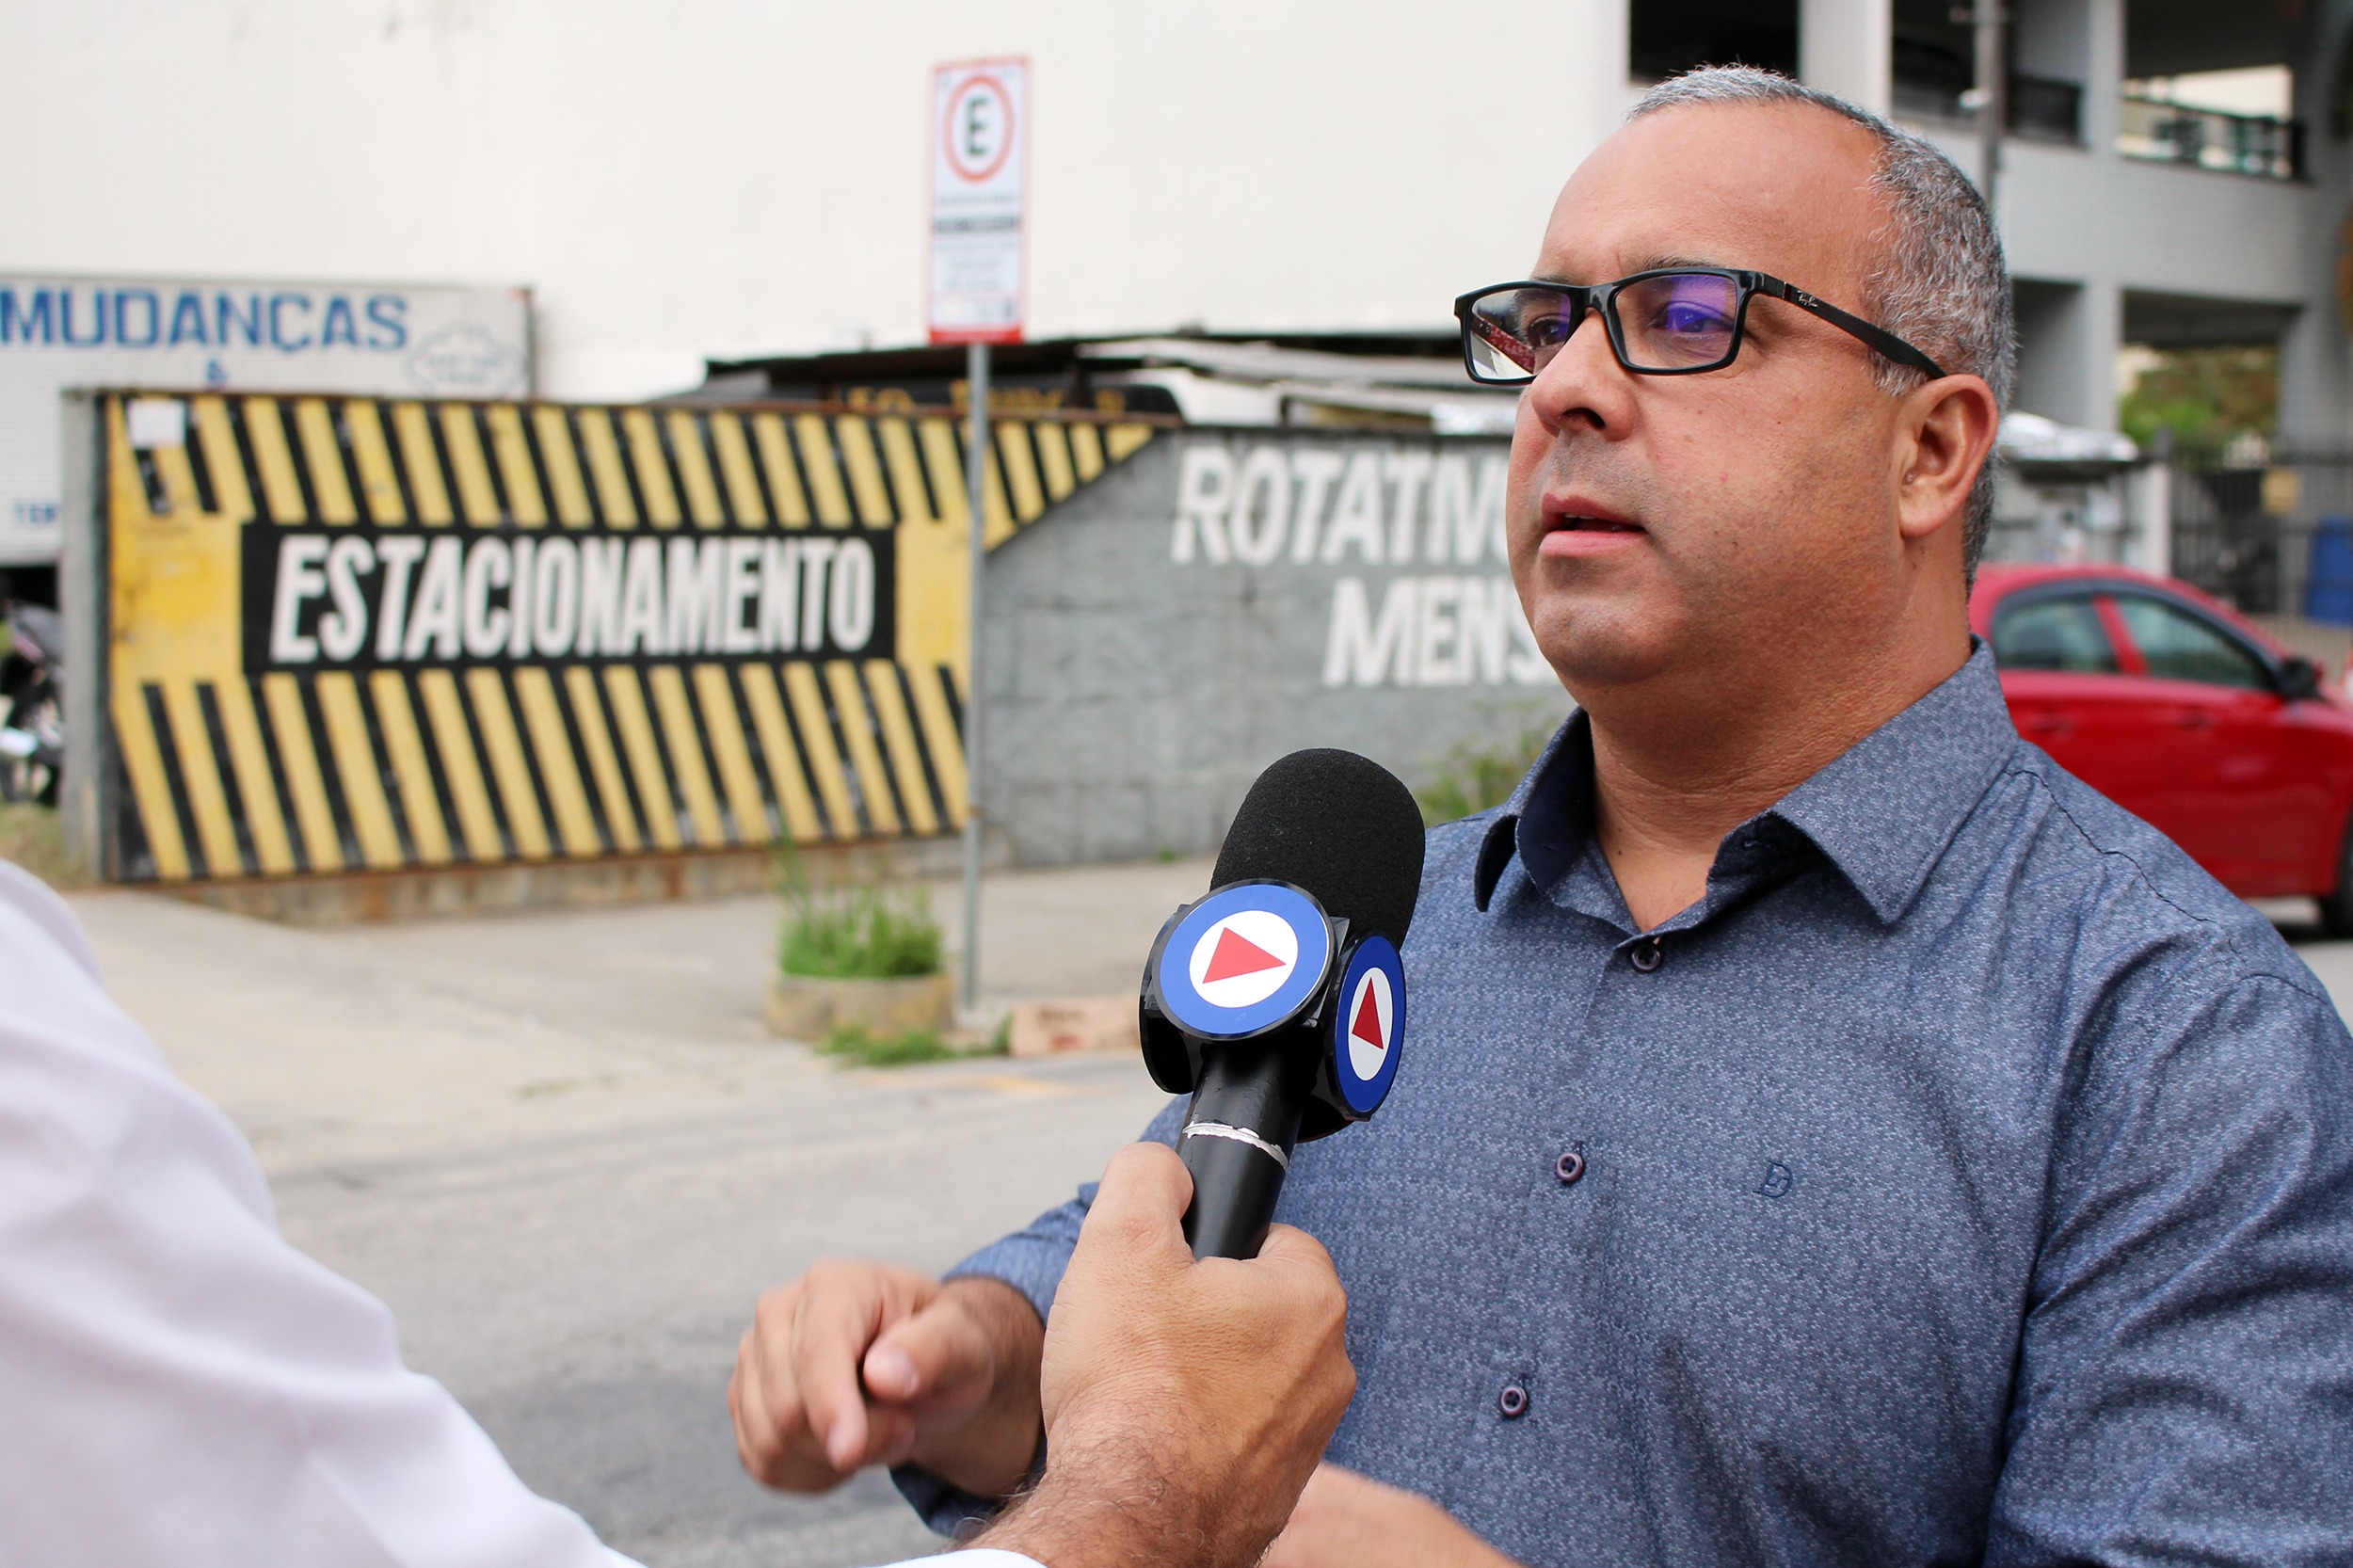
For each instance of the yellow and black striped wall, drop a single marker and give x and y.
(354, 634)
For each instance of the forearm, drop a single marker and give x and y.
(1072, 1523)
(990, 1455)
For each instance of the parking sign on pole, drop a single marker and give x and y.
(980, 151)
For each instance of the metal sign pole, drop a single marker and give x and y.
(976, 490)
(980, 159)
(1993, 95)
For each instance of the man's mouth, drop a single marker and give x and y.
(1577, 525)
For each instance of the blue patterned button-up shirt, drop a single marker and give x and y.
(1966, 1177)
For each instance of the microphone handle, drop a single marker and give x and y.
(1246, 1108)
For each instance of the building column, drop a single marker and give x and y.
(1847, 47)
(2068, 335)
(2102, 74)
(2315, 405)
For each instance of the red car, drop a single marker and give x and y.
(2174, 707)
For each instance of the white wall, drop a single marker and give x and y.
(734, 176)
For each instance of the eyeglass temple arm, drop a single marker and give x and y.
(1884, 342)
(1501, 341)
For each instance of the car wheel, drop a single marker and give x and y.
(2336, 907)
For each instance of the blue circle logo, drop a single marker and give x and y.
(1368, 1024)
(1243, 960)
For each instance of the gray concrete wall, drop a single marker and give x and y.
(1227, 597)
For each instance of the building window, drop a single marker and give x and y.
(1671, 36)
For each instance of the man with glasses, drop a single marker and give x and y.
(1830, 1133)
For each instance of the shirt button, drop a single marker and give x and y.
(1570, 1166)
(1646, 956)
(1513, 1402)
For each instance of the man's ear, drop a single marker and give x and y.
(1945, 436)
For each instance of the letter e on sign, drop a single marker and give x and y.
(980, 154)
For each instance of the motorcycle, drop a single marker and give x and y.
(32, 706)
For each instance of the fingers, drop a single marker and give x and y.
(771, 1438)
(838, 1319)
(1293, 1253)
(803, 1417)
(1141, 1203)
(936, 1358)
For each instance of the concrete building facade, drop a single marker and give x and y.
(745, 176)
(737, 177)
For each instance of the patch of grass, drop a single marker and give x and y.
(32, 837)
(1001, 1042)
(1473, 779)
(856, 1044)
(855, 933)
(860, 934)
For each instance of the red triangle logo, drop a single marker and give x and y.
(1238, 954)
(1368, 1025)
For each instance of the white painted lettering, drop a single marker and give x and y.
(600, 577)
(1262, 501)
(298, 577)
(1313, 469)
(742, 585)
(1466, 524)
(344, 630)
(519, 598)
(640, 602)
(1357, 514)
(1435, 663)
(398, 554)
(555, 597)
(1360, 651)
(780, 595)
(849, 606)
(434, 622)
(1204, 489)
(1407, 471)
(1490, 605)
(697, 595)
(816, 555)
(488, 565)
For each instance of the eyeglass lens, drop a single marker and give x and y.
(1675, 320)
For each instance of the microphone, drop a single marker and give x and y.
(1278, 1000)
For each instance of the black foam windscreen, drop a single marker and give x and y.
(1341, 826)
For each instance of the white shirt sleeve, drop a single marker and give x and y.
(178, 1386)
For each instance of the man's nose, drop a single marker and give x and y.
(1583, 383)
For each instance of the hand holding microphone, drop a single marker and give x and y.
(1185, 1402)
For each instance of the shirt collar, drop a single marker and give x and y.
(1882, 813)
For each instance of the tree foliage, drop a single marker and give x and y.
(2206, 396)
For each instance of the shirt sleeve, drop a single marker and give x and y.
(1031, 1260)
(2184, 1389)
(181, 1385)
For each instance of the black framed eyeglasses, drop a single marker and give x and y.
(1670, 321)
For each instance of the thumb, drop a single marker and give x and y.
(1141, 1202)
(931, 1354)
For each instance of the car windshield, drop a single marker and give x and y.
(2177, 645)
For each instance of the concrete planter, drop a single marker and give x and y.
(804, 1007)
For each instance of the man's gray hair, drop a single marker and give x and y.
(1939, 282)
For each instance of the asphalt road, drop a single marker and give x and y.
(563, 1149)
